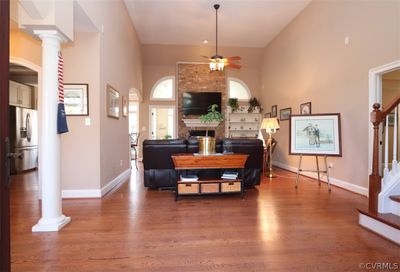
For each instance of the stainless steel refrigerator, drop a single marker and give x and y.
(23, 139)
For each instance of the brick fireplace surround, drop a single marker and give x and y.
(198, 78)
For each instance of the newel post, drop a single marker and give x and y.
(374, 178)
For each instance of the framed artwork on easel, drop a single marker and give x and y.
(315, 134)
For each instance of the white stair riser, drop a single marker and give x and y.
(384, 202)
(395, 207)
(379, 228)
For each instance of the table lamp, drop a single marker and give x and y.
(271, 125)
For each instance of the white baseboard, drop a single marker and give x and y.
(88, 193)
(97, 193)
(337, 182)
(380, 228)
(118, 180)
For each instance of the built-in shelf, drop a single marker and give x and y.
(242, 123)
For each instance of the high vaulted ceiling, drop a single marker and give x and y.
(242, 23)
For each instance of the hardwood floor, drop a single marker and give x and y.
(275, 228)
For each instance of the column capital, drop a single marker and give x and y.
(50, 34)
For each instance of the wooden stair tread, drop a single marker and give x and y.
(386, 218)
(395, 198)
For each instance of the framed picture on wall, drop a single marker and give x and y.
(124, 106)
(274, 111)
(315, 134)
(284, 114)
(305, 108)
(76, 99)
(113, 102)
(267, 115)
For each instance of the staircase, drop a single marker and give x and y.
(383, 213)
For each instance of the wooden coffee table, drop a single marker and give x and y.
(188, 161)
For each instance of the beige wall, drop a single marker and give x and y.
(309, 61)
(26, 47)
(120, 55)
(121, 67)
(80, 147)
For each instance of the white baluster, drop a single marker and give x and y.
(386, 169)
(394, 163)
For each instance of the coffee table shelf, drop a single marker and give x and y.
(209, 186)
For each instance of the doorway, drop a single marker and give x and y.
(24, 85)
(375, 96)
(23, 91)
(162, 125)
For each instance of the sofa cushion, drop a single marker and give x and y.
(157, 153)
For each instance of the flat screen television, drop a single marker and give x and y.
(198, 103)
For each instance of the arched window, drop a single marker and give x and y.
(164, 89)
(238, 89)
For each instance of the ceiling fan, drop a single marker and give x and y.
(218, 62)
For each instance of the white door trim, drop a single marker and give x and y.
(153, 106)
(375, 96)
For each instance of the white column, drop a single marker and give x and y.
(49, 145)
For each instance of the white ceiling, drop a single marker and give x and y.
(241, 23)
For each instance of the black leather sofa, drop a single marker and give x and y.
(159, 169)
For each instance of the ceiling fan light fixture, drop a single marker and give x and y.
(220, 65)
(217, 63)
(213, 66)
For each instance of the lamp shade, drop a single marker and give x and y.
(270, 125)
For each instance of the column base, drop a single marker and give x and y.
(51, 225)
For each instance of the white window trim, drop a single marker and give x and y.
(156, 84)
(242, 83)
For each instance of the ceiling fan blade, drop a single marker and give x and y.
(205, 57)
(234, 58)
(233, 65)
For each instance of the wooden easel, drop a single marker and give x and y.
(318, 171)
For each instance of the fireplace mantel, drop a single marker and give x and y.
(194, 123)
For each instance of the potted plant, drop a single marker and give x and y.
(233, 104)
(254, 104)
(207, 144)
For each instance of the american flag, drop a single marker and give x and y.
(60, 78)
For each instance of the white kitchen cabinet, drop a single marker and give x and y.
(20, 95)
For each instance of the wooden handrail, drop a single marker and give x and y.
(389, 109)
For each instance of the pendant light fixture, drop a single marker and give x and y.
(216, 61)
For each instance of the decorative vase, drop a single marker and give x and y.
(206, 145)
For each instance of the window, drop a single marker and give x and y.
(164, 89)
(238, 89)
